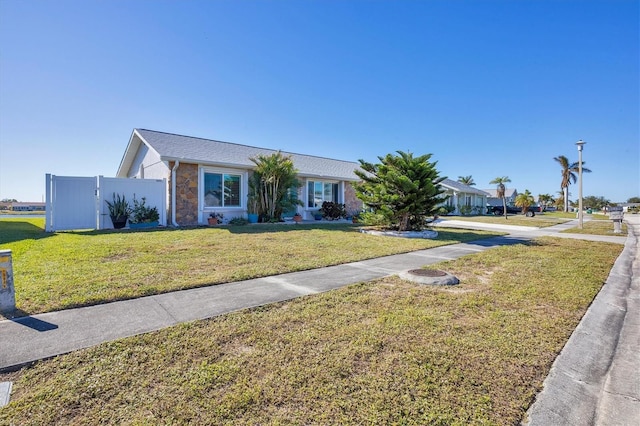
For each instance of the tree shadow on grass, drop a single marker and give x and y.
(503, 240)
(17, 230)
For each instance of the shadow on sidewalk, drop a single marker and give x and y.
(24, 318)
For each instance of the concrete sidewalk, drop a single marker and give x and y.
(593, 381)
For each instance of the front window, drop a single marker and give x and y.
(319, 192)
(221, 190)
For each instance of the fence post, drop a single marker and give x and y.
(48, 220)
(7, 290)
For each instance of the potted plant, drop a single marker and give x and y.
(252, 208)
(297, 218)
(354, 216)
(143, 216)
(119, 211)
(215, 218)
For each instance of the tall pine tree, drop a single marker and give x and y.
(402, 188)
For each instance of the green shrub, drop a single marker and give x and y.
(445, 210)
(141, 213)
(332, 211)
(238, 221)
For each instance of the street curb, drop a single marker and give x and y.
(573, 389)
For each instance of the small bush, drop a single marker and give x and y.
(142, 213)
(332, 211)
(374, 219)
(238, 221)
(465, 210)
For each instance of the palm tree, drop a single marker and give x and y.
(569, 171)
(467, 180)
(271, 183)
(500, 181)
(525, 200)
(559, 202)
(545, 200)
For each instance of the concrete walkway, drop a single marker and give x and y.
(594, 381)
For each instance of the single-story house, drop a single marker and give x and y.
(626, 207)
(207, 176)
(463, 198)
(27, 206)
(510, 195)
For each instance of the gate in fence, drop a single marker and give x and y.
(75, 202)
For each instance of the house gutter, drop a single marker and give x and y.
(173, 193)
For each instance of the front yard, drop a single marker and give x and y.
(381, 352)
(70, 269)
(598, 227)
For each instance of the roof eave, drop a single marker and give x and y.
(125, 162)
(247, 167)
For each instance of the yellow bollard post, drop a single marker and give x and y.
(7, 290)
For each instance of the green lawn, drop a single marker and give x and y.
(573, 215)
(69, 269)
(598, 227)
(381, 352)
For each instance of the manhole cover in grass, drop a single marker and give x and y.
(427, 272)
(429, 277)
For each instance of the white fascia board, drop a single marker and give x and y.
(130, 153)
(127, 159)
(326, 177)
(207, 163)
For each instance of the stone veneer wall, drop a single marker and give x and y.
(186, 193)
(351, 202)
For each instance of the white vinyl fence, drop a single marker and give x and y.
(79, 202)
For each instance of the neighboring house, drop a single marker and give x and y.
(206, 176)
(510, 195)
(626, 207)
(464, 198)
(27, 207)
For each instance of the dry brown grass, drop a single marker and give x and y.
(384, 352)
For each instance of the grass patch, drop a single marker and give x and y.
(383, 352)
(598, 227)
(54, 271)
(574, 215)
(539, 220)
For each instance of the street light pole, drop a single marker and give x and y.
(580, 144)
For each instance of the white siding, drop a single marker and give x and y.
(148, 165)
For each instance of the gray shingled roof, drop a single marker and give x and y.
(211, 152)
(461, 187)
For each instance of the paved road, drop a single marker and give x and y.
(594, 381)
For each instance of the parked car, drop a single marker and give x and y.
(498, 210)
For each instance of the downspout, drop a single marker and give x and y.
(173, 193)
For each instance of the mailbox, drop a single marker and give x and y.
(616, 215)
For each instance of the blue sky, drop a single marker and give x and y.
(490, 88)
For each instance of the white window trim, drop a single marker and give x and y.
(305, 192)
(204, 211)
